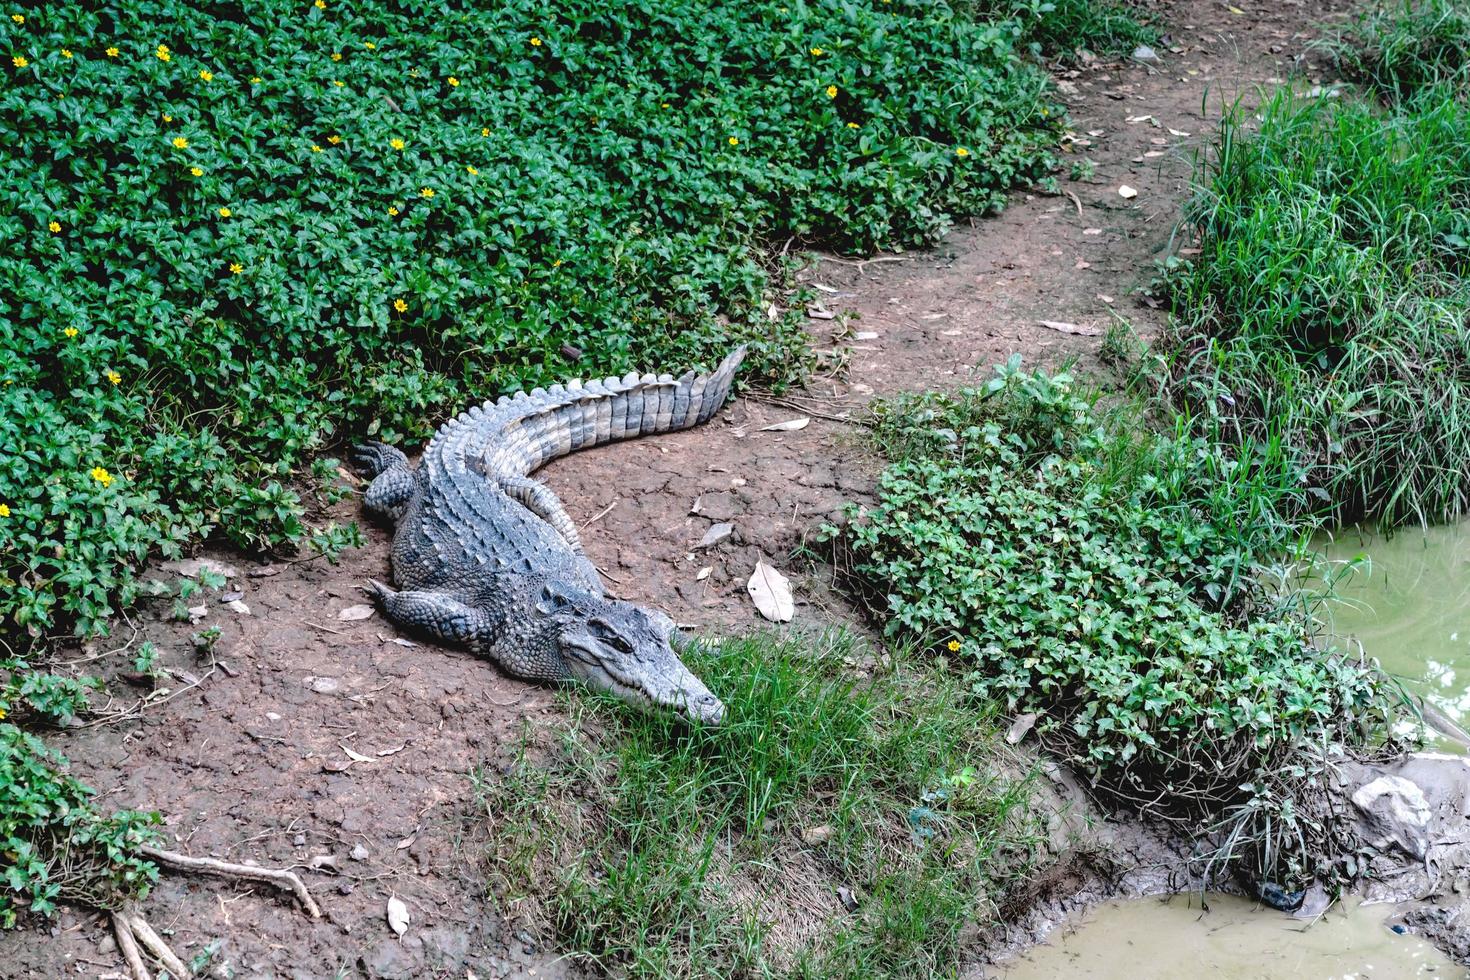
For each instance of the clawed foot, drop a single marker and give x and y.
(379, 592)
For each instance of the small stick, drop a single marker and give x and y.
(328, 629)
(1076, 201)
(145, 934)
(129, 947)
(280, 878)
(600, 514)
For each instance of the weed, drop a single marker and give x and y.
(653, 849)
(1399, 49)
(1326, 313)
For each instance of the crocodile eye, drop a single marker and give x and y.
(607, 634)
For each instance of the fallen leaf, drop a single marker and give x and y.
(265, 572)
(824, 287)
(698, 503)
(1073, 328)
(355, 756)
(397, 915)
(716, 534)
(402, 642)
(235, 605)
(1092, 231)
(323, 861)
(771, 593)
(383, 752)
(704, 573)
(1178, 132)
(1235, 10)
(820, 313)
(1020, 727)
(322, 685)
(363, 611)
(846, 897)
(196, 613)
(791, 425)
(1127, 192)
(816, 835)
(865, 335)
(191, 567)
(773, 312)
(407, 841)
(359, 852)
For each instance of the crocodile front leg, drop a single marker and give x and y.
(441, 615)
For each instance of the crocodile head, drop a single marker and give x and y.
(625, 650)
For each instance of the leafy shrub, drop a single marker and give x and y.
(1328, 310)
(1112, 581)
(1065, 27)
(1399, 49)
(233, 235)
(646, 847)
(54, 845)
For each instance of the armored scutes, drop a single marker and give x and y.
(487, 558)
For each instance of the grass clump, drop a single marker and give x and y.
(1116, 583)
(1065, 28)
(1399, 49)
(651, 849)
(232, 241)
(1327, 309)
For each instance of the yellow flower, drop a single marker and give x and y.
(339, 84)
(370, 45)
(960, 151)
(396, 143)
(65, 53)
(1045, 113)
(196, 171)
(163, 54)
(167, 117)
(111, 52)
(19, 61)
(485, 131)
(400, 305)
(315, 148)
(556, 264)
(55, 227)
(954, 646)
(453, 82)
(206, 74)
(4, 512)
(334, 139)
(831, 91)
(336, 55)
(236, 268)
(224, 212)
(734, 141)
(181, 143)
(663, 105)
(70, 332)
(18, 18)
(114, 377)
(535, 42)
(101, 476)
(427, 192)
(254, 79)
(320, 4)
(852, 125)
(472, 170)
(817, 52)
(392, 211)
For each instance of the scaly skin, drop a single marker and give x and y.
(486, 558)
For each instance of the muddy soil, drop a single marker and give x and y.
(252, 762)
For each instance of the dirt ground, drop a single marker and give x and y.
(252, 764)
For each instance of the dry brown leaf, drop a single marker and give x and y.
(397, 915)
(771, 593)
(1079, 329)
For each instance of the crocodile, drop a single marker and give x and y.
(486, 558)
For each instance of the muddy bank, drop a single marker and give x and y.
(252, 762)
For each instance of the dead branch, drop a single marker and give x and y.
(278, 877)
(129, 947)
(144, 933)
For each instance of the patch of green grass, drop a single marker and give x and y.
(1327, 310)
(647, 848)
(1399, 49)
(1064, 28)
(1118, 583)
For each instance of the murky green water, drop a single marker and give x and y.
(1409, 606)
(1170, 939)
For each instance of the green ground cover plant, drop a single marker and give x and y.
(1327, 307)
(235, 236)
(651, 849)
(1119, 584)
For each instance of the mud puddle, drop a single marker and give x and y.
(1408, 603)
(1170, 938)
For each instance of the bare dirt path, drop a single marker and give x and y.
(254, 763)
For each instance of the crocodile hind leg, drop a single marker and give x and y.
(438, 614)
(393, 482)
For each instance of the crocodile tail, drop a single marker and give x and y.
(533, 429)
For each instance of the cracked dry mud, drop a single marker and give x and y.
(251, 765)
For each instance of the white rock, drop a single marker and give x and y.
(1396, 808)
